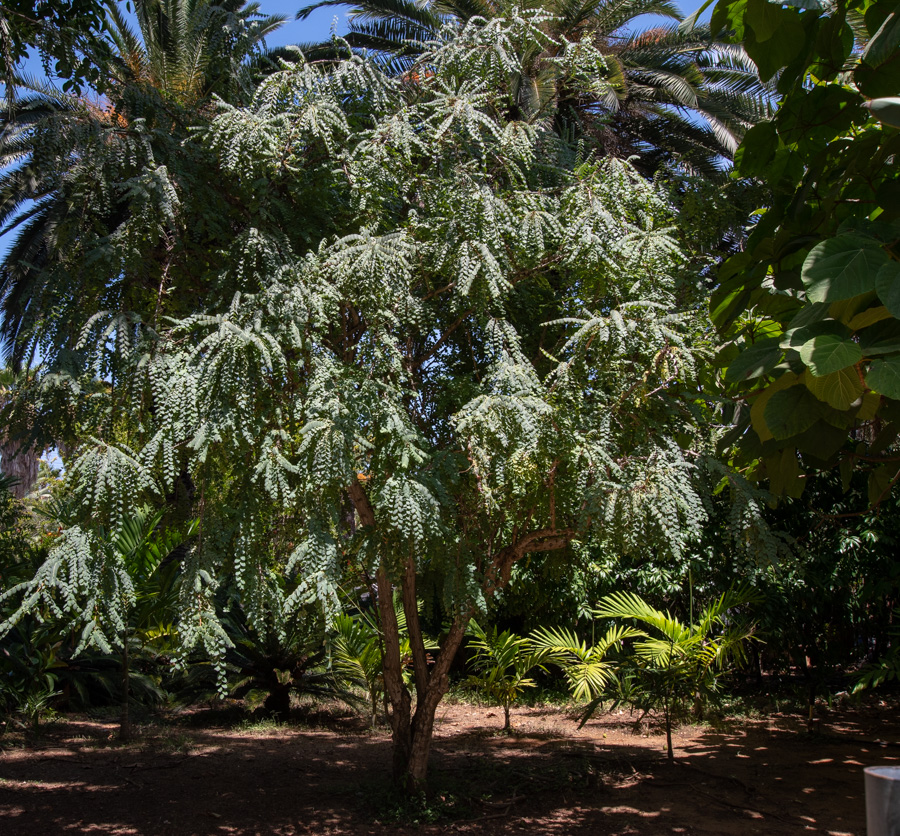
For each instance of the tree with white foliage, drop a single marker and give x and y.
(484, 351)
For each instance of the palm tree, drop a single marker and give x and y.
(79, 172)
(669, 95)
(501, 664)
(587, 670)
(191, 49)
(678, 660)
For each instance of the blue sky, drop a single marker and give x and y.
(318, 26)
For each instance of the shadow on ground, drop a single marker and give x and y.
(766, 777)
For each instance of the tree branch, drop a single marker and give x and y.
(416, 642)
(443, 338)
(360, 500)
(542, 540)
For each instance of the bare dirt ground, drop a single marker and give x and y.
(328, 775)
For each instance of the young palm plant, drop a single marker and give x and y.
(679, 660)
(356, 657)
(587, 670)
(501, 665)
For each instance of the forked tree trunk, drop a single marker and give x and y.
(412, 727)
(412, 730)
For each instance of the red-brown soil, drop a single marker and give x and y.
(186, 776)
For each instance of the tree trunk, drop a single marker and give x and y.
(125, 719)
(20, 464)
(669, 751)
(506, 726)
(412, 731)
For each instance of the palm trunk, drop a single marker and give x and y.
(506, 725)
(20, 464)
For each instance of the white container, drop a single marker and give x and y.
(883, 800)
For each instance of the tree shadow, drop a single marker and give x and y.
(766, 777)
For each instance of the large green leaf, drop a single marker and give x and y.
(884, 376)
(880, 481)
(783, 469)
(829, 353)
(842, 267)
(887, 286)
(884, 42)
(839, 389)
(879, 82)
(757, 149)
(763, 18)
(797, 337)
(761, 401)
(755, 361)
(772, 53)
(886, 110)
(821, 441)
(868, 317)
(791, 412)
(880, 338)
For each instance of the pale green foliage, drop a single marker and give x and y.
(84, 581)
(108, 584)
(487, 343)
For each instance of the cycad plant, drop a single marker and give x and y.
(278, 662)
(501, 665)
(678, 660)
(144, 548)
